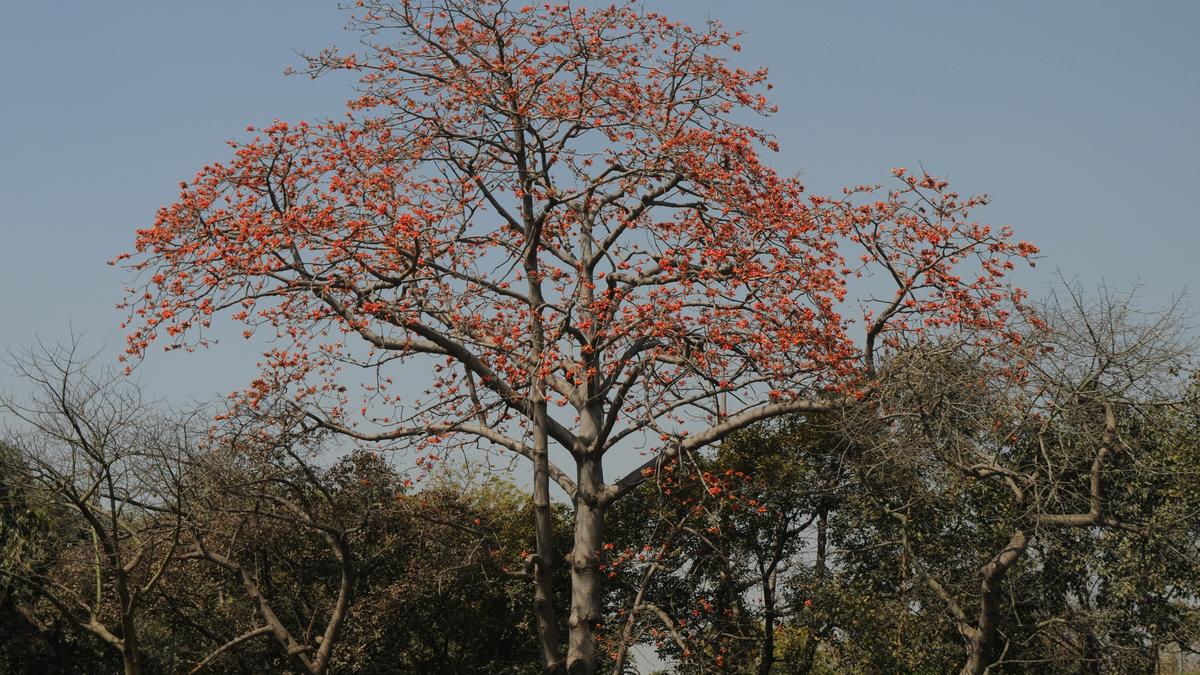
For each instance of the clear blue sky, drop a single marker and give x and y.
(1081, 119)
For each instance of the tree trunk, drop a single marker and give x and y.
(1154, 659)
(129, 660)
(129, 638)
(543, 569)
(582, 658)
(982, 642)
(1093, 651)
(808, 655)
(766, 656)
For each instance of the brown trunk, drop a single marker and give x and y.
(543, 569)
(982, 641)
(1154, 659)
(766, 656)
(1093, 652)
(129, 637)
(582, 658)
(808, 654)
(341, 609)
(129, 640)
(976, 660)
(129, 659)
(770, 576)
(822, 544)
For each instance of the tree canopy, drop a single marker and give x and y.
(565, 213)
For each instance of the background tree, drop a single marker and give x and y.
(456, 597)
(1012, 461)
(560, 211)
(344, 567)
(915, 539)
(264, 485)
(34, 533)
(745, 545)
(99, 462)
(434, 590)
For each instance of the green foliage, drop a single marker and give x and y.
(777, 552)
(431, 591)
(35, 535)
(1082, 600)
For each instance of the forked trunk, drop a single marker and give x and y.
(981, 644)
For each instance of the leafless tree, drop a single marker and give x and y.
(93, 447)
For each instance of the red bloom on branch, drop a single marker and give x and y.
(563, 214)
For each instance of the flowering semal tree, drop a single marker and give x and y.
(560, 212)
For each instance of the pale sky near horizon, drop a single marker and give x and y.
(1081, 119)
